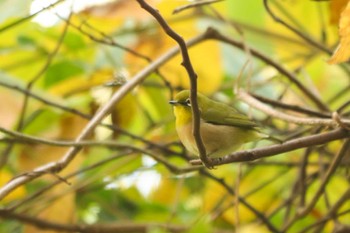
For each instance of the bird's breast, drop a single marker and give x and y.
(219, 140)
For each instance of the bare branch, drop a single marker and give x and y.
(101, 228)
(307, 38)
(332, 168)
(244, 96)
(186, 62)
(195, 4)
(214, 34)
(57, 166)
(21, 20)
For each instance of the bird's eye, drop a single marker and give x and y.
(188, 102)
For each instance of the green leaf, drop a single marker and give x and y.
(61, 71)
(74, 41)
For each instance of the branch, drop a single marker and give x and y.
(294, 108)
(107, 40)
(214, 34)
(286, 117)
(21, 20)
(57, 166)
(305, 37)
(24, 138)
(242, 200)
(332, 168)
(258, 153)
(194, 5)
(30, 84)
(81, 114)
(101, 228)
(186, 62)
(332, 213)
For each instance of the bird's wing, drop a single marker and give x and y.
(227, 116)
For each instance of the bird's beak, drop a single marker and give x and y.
(173, 102)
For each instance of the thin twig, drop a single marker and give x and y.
(332, 213)
(244, 96)
(332, 168)
(242, 201)
(105, 39)
(195, 4)
(81, 114)
(21, 20)
(294, 108)
(214, 34)
(102, 228)
(30, 84)
(186, 62)
(117, 96)
(308, 39)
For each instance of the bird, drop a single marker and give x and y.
(223, 129)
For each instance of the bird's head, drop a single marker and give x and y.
(182, 107)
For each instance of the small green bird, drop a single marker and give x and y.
(222, 128)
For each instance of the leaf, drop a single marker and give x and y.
(342, 53)
(207, 67)
(61, 71)
(58, 204)
(336, 7)
(5, 176)
(10, 109)
(74, 41)
(109, 17)
(117, 10)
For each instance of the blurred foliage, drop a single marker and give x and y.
(75, 63)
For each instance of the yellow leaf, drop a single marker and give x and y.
(109, 16)
(117, 10)
(82, 83)
(253, 227)
(168, 191)
(342, 53)
(123, 113)
(58, 204)
(5, 176)
(336, 7)
(11, 108)
(207, 65)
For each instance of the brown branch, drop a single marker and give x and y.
(294, 108)
(332, 213)
(76, 112)
(195, 4)
(258, 153)
(250, 100)
(214, 34)
(21, 20)
(105, 39)
(242, 200)
(332, 168)
(95, 228)
(305, 37)
(57, 166)
(20, 126)
(41, 191)
(186, 62)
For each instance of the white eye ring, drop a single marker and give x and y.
(188, 102)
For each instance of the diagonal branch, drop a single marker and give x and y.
(57, 166)
(186, 62)
(216, 35)
(305, 37)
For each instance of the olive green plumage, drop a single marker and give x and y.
(222, 128)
